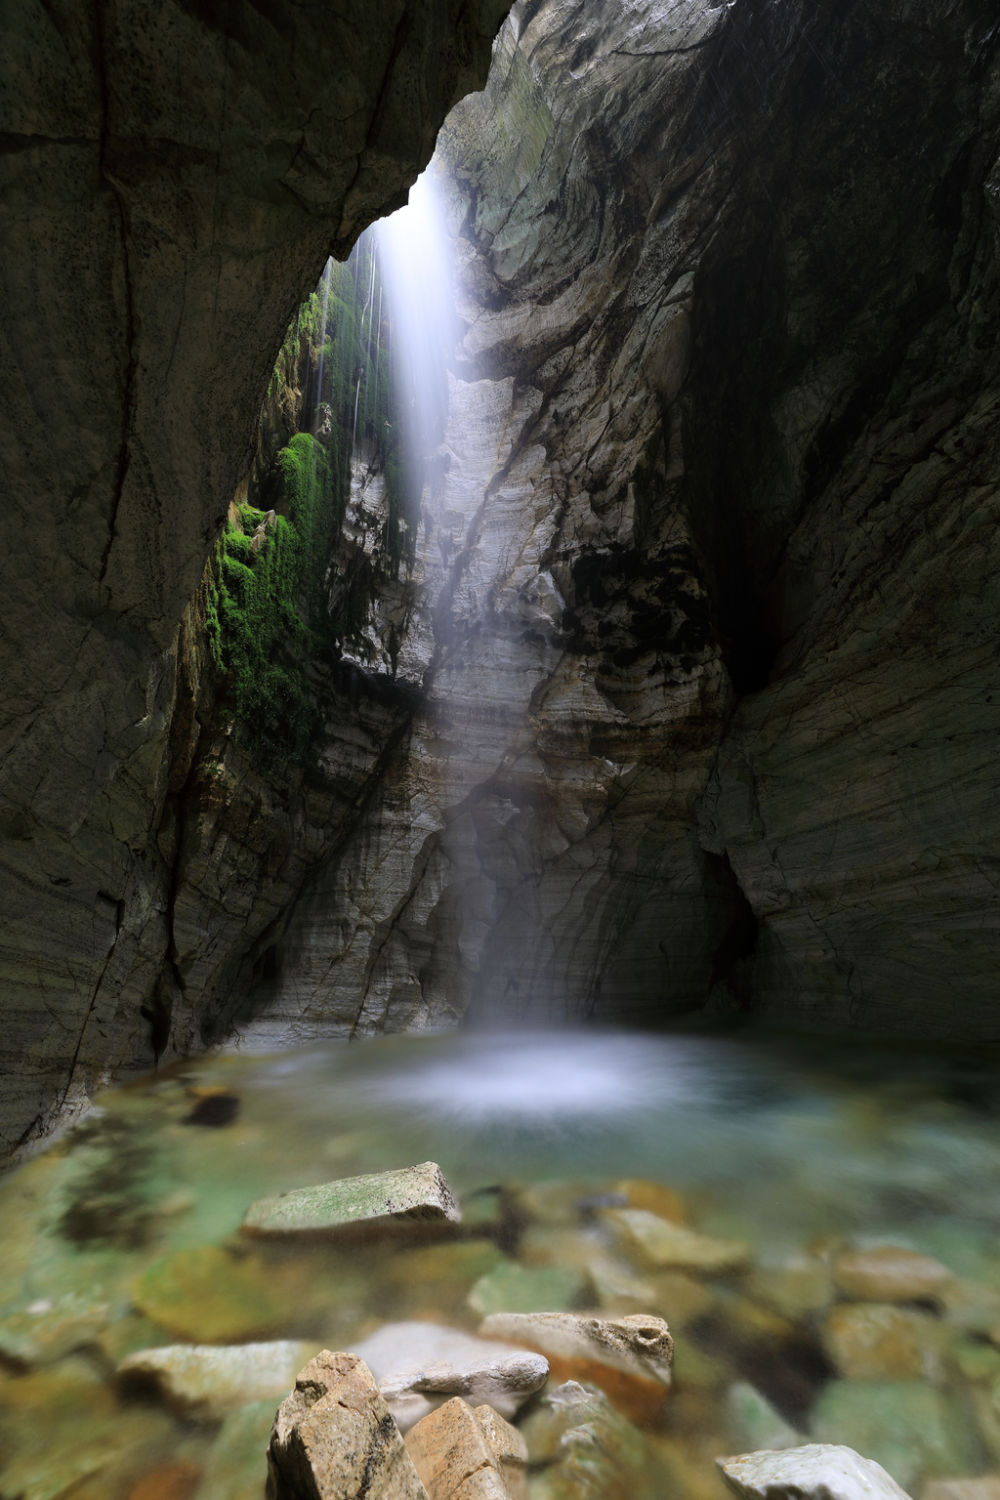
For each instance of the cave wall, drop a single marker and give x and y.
(708, 714)
(174, 177)
(696, 701)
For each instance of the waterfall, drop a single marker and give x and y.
(324, 314)
(415, 262)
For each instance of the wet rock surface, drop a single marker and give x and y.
(820, 1470)
(163, 223)
(378, 1203)
(333, 1437)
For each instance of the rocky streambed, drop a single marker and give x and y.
(820, 1238)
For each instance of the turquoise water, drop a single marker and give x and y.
(125, 1236)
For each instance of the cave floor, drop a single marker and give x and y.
(836, 1276)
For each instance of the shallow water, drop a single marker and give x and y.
(125, 1235)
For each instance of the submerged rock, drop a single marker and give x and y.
(629, 1358)
(461, 1454)
(205, 1382)
(660, 1243)
(873, 1341)
(333, 1438)
(236, 1463)
(890, 1273)
(907, 1426)
(755, 1421)
(817, 1471)
(419, 1366)
(514, 1288)
(374, 1202)
(209, 1295)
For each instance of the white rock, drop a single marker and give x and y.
(817, 1471)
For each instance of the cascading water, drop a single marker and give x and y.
(414, 254)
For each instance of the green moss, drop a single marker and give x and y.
(267, 596)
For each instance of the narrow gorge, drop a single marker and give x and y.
(664, 691)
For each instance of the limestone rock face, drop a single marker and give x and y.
(710, 559)
(175, 179)
(696, 701)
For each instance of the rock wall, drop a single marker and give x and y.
(696, 703)
(174, 177)
(710, 570)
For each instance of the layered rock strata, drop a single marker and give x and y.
(710, 554)
(173, 179)
(703, 639)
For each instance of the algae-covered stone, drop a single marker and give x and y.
(907, 1426)
(45, 1330)
(208, 1295)
(375, 1201)
(514, 1288)
(659, 1243)
(206, 1381)
(333, 1437)
(816, 1471)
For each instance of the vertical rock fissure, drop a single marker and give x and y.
(131, 356)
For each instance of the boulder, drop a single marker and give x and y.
(205, 1382)
(334, 1439)
(890, 1273)
(419, 1366)
(628, 1357)
(659, 1243)
(460, 1454)
(373, 1203)
(817, 1471)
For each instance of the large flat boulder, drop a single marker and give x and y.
(373, 1203)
